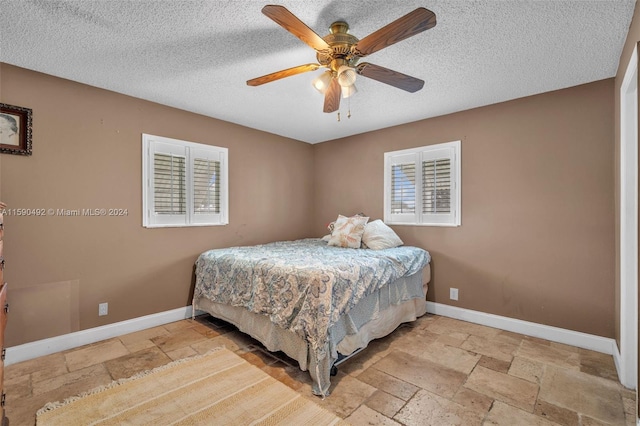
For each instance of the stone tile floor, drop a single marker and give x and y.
(436, 371)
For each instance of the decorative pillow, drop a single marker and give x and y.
(377, 236)
(332, 224)
(347, 231)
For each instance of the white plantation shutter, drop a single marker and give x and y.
(403, 184)
(206, 186)
(169, 190)
(184, 183)
(422, 185)
(400, 187)
(209, 196)
(436, 186)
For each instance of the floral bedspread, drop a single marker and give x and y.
(303, 286)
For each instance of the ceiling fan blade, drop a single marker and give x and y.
(332, 96)
(282, 74)
(409, 25)
(391, 77)
(295, 26)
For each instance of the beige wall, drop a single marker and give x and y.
(536, 243)
(87, 154)
(537, 235)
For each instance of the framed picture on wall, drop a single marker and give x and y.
(15, 130)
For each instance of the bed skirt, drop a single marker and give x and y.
(375, 316)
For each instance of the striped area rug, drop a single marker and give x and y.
(218, 388)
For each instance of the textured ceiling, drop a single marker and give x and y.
(197, 55)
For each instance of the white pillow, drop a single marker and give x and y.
(377, 236)
(347, 231)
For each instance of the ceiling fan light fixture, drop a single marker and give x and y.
(348, 91)
(322, 82)
(346, 76)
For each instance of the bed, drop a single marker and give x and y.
(313, 301)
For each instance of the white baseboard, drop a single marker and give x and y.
(617, 360)
(51, 345)
(554, 334)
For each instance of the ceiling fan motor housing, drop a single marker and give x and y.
(340, 42)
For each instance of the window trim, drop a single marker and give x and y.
(189, 150)
(450, 150)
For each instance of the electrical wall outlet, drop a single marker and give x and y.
(453, 293)
(103, 309)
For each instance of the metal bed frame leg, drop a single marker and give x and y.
(341, 359)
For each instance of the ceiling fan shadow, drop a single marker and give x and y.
(353, 13)
(72, 11)
(163, 60)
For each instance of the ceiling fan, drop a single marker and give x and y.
(340, 52)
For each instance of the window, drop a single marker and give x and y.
(422, 185)
(183, 183)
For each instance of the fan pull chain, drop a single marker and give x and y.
(348, 110)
